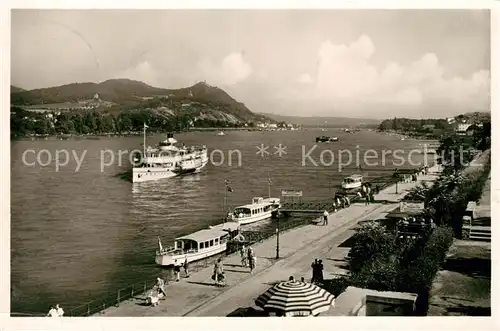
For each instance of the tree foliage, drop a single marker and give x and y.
(97, 122)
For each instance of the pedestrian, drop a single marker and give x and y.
(302, 279)
(186, 267)
(347, 201)
(218, 275)
(314, 271)
(291, 279)
(52, 312)
(60, 311)
(177, 272)
(160, 285)
(243, 255)
(325, 218)
(251, 259)
(377, 189)
(320, 271)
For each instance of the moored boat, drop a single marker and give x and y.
(198, 245)
(259, 209)
(351, 182)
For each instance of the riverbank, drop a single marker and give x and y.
(197, 295)
(97, 136)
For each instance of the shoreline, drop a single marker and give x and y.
(93, 136)
(196, 296)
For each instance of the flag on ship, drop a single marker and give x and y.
(159, 243)
(145, 126)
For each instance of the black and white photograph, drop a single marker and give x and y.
(250, 163)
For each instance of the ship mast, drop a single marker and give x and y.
(269, 185)
(144, 142)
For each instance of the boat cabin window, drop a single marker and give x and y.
(201, 245)
(211, 243)
(216, 241)
(207, 244)
(245, 212)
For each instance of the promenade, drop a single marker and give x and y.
(198, 296)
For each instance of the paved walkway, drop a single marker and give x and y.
(197, 295)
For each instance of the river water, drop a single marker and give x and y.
(79, 235)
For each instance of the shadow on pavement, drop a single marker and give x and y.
(473, 267)
(247, 312)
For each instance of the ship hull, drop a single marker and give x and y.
(166, 260)
(146, 174)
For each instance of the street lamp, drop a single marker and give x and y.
(277, 237)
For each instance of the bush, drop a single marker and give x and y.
(370, 240)
(336, 285)
(420, 273)
(381, 274)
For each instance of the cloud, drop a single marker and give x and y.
(230, 71)
(304, 79)
(143, 72)
(346, 76)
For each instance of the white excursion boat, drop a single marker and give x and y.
(351, 182)
(198, 245)
(221, 133)
(258, 210)
(169, 160)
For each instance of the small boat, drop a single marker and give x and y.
(221, 133)
(258, 210)
(198, 245)
(353, 181)
(325, 139)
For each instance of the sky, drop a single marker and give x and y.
(338, 63)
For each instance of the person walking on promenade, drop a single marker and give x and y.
(177, 272)
(251, 259)
(186, 267)
(243, 255)
(302, 279)
(320, 271)
(325, 218)
(218, 275)
(314, 267)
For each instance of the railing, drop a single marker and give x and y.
(113, 299)
(14, 314)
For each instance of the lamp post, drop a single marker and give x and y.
(277, 237)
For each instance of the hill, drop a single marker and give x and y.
(114, 95)
(333, 122)
(124, 106)
(15, 89)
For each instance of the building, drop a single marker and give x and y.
(461, 128)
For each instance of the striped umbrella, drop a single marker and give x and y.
(295, 298)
